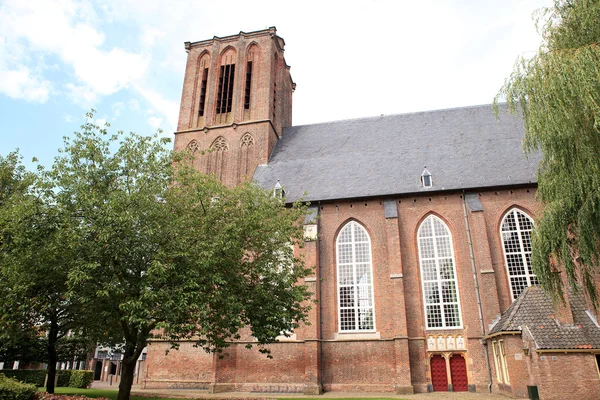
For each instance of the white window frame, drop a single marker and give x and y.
(497, 363)
(528, 277)
(502, 352)
(355, 280)
(429, 220)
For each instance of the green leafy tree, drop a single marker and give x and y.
(558, 94)
(166, 251)
(38, 249)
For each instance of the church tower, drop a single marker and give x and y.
(236, 100)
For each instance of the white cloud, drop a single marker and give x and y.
(20, 83)
(149, 36)
(168, 108)
(81, 95)
(117, 109)
(155, 122)
(68, 118)
(65, 28)
(133, 104)
(100, 122)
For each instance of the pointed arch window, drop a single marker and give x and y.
(193, 146)
(438, 274)
(515, 232)
(356, 311)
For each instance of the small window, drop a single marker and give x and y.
(503, 362)
(497, 362)
(426, 178)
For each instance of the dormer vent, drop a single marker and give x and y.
(278, 190)
(426, 178)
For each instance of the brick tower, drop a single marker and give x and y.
(236, 100)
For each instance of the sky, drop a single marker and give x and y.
(349, 59)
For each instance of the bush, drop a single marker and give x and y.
(11, 389)
(63, 377)
(81, 379)
(33, 376)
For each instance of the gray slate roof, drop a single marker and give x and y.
(461, 147)
(534, 310)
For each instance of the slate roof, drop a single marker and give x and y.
(461, 147)
(534, 310)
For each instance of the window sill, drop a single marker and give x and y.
(341, 336)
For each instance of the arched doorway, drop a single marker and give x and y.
(439, 375)
(458, 373)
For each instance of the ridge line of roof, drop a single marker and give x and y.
(394, 115)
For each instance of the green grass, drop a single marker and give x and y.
(110, 394)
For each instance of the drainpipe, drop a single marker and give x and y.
(320, 303)
(477, 290)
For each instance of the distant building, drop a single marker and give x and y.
(421, 247)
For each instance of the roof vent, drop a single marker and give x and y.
(426, 178)
(278, 190)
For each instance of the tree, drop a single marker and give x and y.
(38, 249)
(558, 94)
(166, 251)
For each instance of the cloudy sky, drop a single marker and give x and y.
(125, 58)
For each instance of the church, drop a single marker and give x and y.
(418, 233)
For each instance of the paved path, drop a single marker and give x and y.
(191, 393)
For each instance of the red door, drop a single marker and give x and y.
(439, 377)
(458, 372)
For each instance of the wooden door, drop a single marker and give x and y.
(439, 376)
(458, 373)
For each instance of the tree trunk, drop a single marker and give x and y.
(127, 370)
(52, 356)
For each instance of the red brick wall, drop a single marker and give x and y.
(187, 367)
(359, 366)
(567, 376)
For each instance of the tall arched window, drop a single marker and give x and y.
(438, 274)
(515, 232)
(356, 311)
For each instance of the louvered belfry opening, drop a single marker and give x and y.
(203, 92)
(225, 92)
(248, 85)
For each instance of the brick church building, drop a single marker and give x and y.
(419, 234)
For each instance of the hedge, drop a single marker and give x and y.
(81, 379)
(66, 378)
(11, 389)
(36, 377)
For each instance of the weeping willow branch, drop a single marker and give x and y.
(558, 94)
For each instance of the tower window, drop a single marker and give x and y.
(225, 92)
(248, 85)
(203, 91)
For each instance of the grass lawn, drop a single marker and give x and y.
(112, 394)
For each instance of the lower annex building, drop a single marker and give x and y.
(419, 234)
